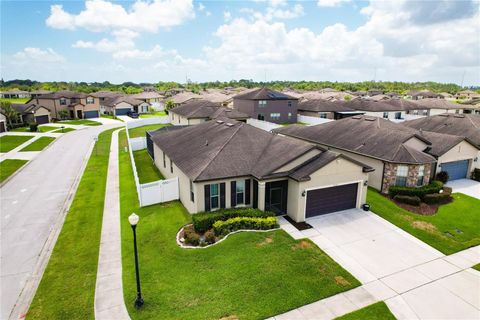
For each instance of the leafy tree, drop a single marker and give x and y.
(9, 113)
(169, 105)
(63, 114)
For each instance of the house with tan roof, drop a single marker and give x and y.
(198, 111)
(152, 98)
(225, 163)
(326, 109)
(78, 105)
(32, 113)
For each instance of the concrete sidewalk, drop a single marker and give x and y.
(109, 303)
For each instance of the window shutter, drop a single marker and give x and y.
(207, 197)
(247, 191)
(255, 194)
(222, 195)
(233, 194)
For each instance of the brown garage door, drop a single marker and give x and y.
(41, 119)
(327, 200)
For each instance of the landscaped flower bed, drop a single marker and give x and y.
(210, 227)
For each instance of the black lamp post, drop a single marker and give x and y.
(133, 219)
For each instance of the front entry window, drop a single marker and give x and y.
(276, 196)
(401, 178)
(420, 177)
(214, 203)
(261, 117)
(240, 192)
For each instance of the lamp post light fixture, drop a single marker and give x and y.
(133, 219)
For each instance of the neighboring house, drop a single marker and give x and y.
(218, 96)
(183, 97)
(467, 94)
(447, 95)
(78, 105)
(3, 123)
(152, 98)
(392, 94)
(198, 110)
(438, 106)
(424, 94)
(32, 113)
(268, 105)
(15, 94)
(120, 105)
(391, 109)
(225, 164)
(325, 109)
(374, 92)
(395, 152)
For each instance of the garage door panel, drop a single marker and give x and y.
(91, 114)
(122, 112)
(456, 169)
(41, 119)
(327, 200)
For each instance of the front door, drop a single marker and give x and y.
(276, 194)
(79, 114)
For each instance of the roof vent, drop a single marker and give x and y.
(219, 121)
(356, 117)
(206, 142)
(229, 124)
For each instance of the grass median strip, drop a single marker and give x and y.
(64, 130)
(82, 122)
(248, 276)
(39, 144)
(9, 166)
(10, 142)
(146, 169)
(376, 311)
(140, 131)
(67, 288)
(453, 228)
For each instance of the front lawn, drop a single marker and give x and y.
(39, 144)
(81, 122)
(140, 131)
(8, 143)
(39, 129)
(376, 311)
(15, 100)
(109, 116)
(64, 130)
(67, 288)
(9, 166)
(154, 114)
(476, 267)
(248, 276)
(453, 228)
(146, 168)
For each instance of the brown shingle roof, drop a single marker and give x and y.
(430, 103)
(320, 105)
(64, 94)
(199, 108)
(264, 94)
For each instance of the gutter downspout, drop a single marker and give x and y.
(383, 177)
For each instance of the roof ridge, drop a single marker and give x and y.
(222, 147)
(470, 119)
(407, 149)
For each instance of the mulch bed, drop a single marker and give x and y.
(299, 225)
(423, 209)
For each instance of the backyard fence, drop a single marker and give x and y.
(147, 121)
(264, 125)
(152, 192)
(312, 120)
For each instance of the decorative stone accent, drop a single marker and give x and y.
(390, 173)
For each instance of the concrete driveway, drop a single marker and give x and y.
(366, 245)
(466, 186)
(33, 203)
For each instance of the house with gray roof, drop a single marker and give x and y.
(268, 105)
(225, 163)
(197, 111)
(77, 105)
(326, 109)
(32, 112)
(400, 156)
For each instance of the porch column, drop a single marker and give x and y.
(261, 195)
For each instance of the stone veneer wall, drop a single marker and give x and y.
(390, 173)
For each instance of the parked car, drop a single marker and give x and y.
(132, 114)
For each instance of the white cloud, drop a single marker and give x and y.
(102, 15)
(227, 16)
(124, 40)
(155, 52)
(201, 7)
(38, 55)
(331, 3)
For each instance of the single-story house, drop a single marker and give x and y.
(399, 155)
(225, 99)
(467, 94)
(393, 109)
(183, 97)
(197, 111)
(153, 98)
(424, 94)
(120, 105)
(225, 163)
(15, 94)
(325, 109)
(38, 93)
(32, 112)
(438, 106)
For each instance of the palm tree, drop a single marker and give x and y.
(9, 112)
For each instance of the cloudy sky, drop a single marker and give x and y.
(161, 40)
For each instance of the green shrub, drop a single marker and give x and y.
(209, 237)
(190, 236)
(222, 228)
(442, 176)
(33, 127)
(413, 200)
(433, 187)
(476, 174)
(447, 190)
(204, 221)
(437, 198)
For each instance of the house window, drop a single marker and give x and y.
(261, 117)
(425, 112)
(289, 115)
(63, 101)
(323, 115)
(171, 166)
(164, 160)
(401, 178)
(262, 103)
(90, 100)
(415, 112)
(421, 175)
(398, 115)
(457, 111)
(289, 103)
(240, 192)
(275, 116)
(385, 115)
(192, 194)
(214, 197)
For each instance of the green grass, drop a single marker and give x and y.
(154, 114)
(146, 169)
(249, 275)
(82, 122)
(376, 311)
(8, 143)
(140, 131)
(14, 100)
(476, 267)
(39, 144)
(109, 116)
(9, 166)
(39, 129)
(67, 288)
(65, 130)
(440, 230)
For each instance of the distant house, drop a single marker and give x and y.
(152, 98)
(32, 113)
(424, 94)
(268, 105)
(38, 93)
(392, 109)
(218, 96)
(15, 94)
(224, 163)
(183, 97)
(446, 95)
(374, 92)
(467, 94)
(120, 105)
(78, 105)
(198, 110)
(438, 106)
(392, 94)
(326, 109)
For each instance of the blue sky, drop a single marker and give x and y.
(161, 40)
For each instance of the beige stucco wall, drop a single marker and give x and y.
(338, 172)
(433, 112)
(298, 161)
(416, 144)
(462, 151)
(391, 114)
(42, 112)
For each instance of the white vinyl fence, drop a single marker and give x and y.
(264, 125)
(147, 121)
(312, 120)
(152, 192)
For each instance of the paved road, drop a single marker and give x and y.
(31, 203)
